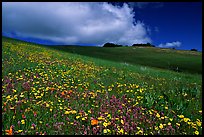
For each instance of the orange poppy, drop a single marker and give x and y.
(69, 92)
(62, 93)
(94, 122)
(23, 116)
(10, 131)
(52, 89)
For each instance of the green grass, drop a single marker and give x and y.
(58, 92)
(186, 61)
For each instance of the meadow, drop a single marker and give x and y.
(51, 91)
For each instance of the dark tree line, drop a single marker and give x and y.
(143, 45)
(111, 45)
(117, 45)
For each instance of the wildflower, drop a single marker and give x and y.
(105, 131)
(83, 118)
(63, 93)
(100, 118)
(121, 131)
(171, 119)
(19, 131)
(177, 124)
(186, 119)
(189, 123)
(94, 122)
(198, 122)
(200, 111)
(156, 128)
(169, 123)
(161, 126)
(10, 131)
(196, 132)
(158, 115)
(66, 112)
(22, 121)
(77, 117)
(140, 131)
(122, 122)
(166, 107)
(181, 116)
(47, 105)
(105, 124)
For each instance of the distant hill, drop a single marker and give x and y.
(171, 59)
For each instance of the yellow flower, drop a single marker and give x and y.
(156, 128)
(19, 131)
(181, 116)
(166, 107)
(73, 111)
(198, 123)
(186, 119)
(171, 119)
(121, 131)
(161, 126)
(109, 115)
(78, 117)
(47, 105)
(196, 132)
(162, 117)
(66, 112)
(83, 118)
(189, 123)
(105, 131)
(200, 111)
(105, 124)
(100, 118)
(158, 115)
(8, 97)
(22, 121)
(116, 118)
(177, 124)
(122, 122)
(140, 131)
(169, 123)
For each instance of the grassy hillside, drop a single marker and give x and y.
(185, 61)
(49, 91)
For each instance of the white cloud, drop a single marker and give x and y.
(170, 45)
(73, 22)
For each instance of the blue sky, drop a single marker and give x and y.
(176, 21)
(164, 24)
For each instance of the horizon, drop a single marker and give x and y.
(94, 46)
(171, 25)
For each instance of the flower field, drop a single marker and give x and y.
(50, 92)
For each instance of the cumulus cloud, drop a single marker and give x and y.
(170, 45)
(74, 22)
